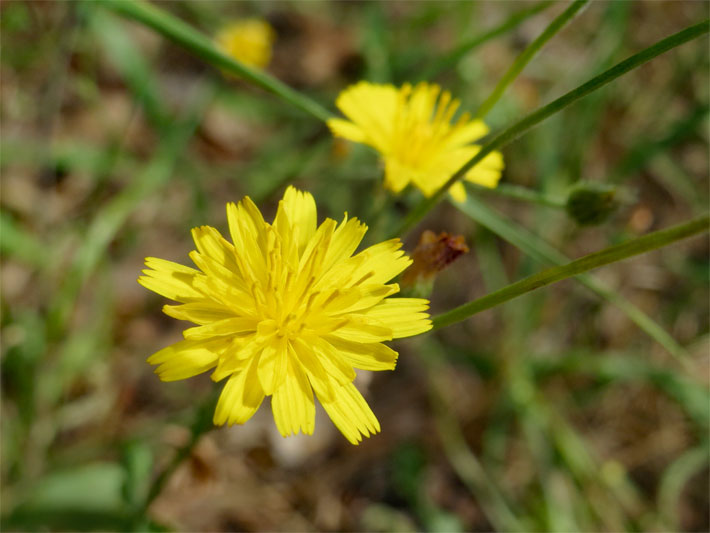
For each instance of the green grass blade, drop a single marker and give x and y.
(646, 149)
(675, 479)
(524, 194)
(123, 51)
(526, 55)
(19, 244)
(533, 119)
(200, 45)
(108, 222)
(545, 253)
(486, 489)
(609, 255)
(454, 56)
(689, 392)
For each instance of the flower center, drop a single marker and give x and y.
(289, 326)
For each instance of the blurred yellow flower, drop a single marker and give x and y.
(248, 41)
(411, 128)
(284, 311)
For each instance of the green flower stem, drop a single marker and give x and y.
(200, 45)
(546, 254)
(451, 58)
(612, 254)
(534, 118)
(526, 55)
(521, 193)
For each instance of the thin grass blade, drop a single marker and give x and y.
(609, 255)
(183, 34)
(546, 254)
(450, 59)
(526, 55)
(533, 119)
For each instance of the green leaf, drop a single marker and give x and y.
(137, 461)
(84, 498)
(20, 244)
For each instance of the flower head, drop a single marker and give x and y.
(286, 310)
(412, 128)
(248, 41)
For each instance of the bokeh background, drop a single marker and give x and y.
(553, 412)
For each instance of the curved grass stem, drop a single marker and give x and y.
(526, 55)
(536, 117)
(185, 35)
(609, 255)
(523, 194)
(451, 58)
(541, 251)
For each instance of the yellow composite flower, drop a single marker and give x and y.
(412, 128)
(285, 310)
(248, 41)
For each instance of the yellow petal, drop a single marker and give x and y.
(171, 280)
(359, 328)
(202, 312)
(248, 231)
(301, 209)
(282, 244)
(382, 262)
(272, 365)
(228, 326)
(405, 316)
(467, 133)
(333, 362)
(397, 174)
(240, 398)
(347, 130)
(248, 41)
(186, 358)
(422, 102)
(367, 356)
(372, 108)
(292, 403)
(237, 356)
(209, 242)
(488, 171)
(344, 242)
(316, 249)
(351, 414)
(340, 301)
(458, 192)
(310, 363)
(223, 285)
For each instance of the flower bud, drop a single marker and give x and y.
(432, 255)
(590, 204)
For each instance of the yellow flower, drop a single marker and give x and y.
(411, 128)
(285, 311)
(248, 41)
